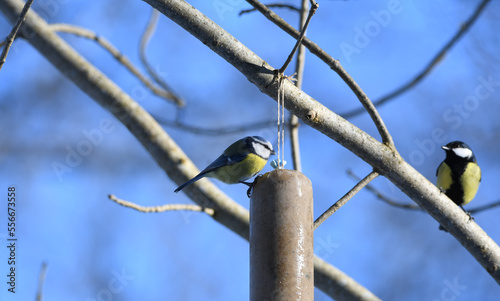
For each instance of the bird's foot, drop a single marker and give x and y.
(250, 186)
(471, 218)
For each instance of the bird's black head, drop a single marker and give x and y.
(458, 150)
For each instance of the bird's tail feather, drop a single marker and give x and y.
(199, 176)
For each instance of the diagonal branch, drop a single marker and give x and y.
(427, 69)
(332, 63)
(214, 131)
(484, 207)
(394, 203)
(291, 7)
(148, 33)
(384, 198)
(299, 69)
(161, 208)
(343, 200)
(85, 33)
(12, 35)
(312, 11)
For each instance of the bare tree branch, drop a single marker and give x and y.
(332, 63)
(41, 281)
(299, 70)
(10, 38)
(215, 131)
(161, 208)
(343, 200)
(427, 69)
(85, 33)
(484, 207)
(312, 11)
(397, 204)
(245, 11)
(382, 197)
(148, 33)
(330, 278)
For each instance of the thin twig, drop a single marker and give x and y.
(427, 70)
(85, 33)
(393, 203)
(162, 208)
(281, 100)
(12, 35)
(299, 70)
(294, 141)
(388, 201)
(372, 175)
(41, 281)
(312, 11)
(384, 198)
(484, 207)
(146, 36)
(225, 130)
(397, 204)
(245, 11)
(332, 63)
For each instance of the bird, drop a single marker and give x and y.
(241, 161)
(459, 175)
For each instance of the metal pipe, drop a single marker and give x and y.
(281, 237)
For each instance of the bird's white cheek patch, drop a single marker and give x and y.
(463, 152)
(261, 150)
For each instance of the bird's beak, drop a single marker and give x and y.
(445, 147)
(273, 152)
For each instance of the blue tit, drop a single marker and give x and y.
(240, 161)
(459, 175)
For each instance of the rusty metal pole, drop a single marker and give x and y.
(281, 238)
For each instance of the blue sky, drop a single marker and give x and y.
(96, 249)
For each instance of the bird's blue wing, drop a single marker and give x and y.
(223, 160)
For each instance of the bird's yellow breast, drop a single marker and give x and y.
(470, 181)
(241, 171)
(444, 179)
(460, 188)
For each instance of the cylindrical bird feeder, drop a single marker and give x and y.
(281, 237)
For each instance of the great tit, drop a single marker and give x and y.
(459, 175)
(240, 161)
